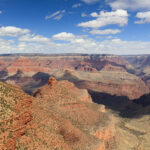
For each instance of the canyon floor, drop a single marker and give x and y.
(74, 101)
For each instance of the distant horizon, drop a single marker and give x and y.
(69, 54)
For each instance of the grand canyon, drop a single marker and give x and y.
(74, 74)
(74, 102)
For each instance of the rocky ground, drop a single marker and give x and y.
(59, 116)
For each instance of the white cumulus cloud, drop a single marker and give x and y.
(33, 38)
(119, 17)
(31, 43)
(94, 14)
(144, 17)
(129, 4)
(104, 32)
(12, 31)
(64, 36)
(118, 46)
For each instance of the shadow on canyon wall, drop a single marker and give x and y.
(122, 105)
(39, 79)
(3, 73)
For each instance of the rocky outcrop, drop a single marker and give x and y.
(114, 81)
(52, 81)
(132, 91)
(110, 67)
(70, 103)
(60, 116)
(141, 65)
(27, 66)
(109, 72)
(86, 68)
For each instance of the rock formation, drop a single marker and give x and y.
(103, 73)
(59, 117)
(86, 68)
(111, 80)
(141, 65)
(27, 66)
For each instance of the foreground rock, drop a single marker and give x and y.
(90, 121)
(59, 117)
(15, 117)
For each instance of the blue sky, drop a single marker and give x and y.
(75, 26)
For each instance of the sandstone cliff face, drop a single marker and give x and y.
(77, 107)
(141, 65)
(86, 68)
(27, 66)
(59, 117)
(111, 80)
(110, 67)
(30, 65)
(104, 73)
(132, 91)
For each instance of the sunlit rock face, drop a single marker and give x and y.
(58, 116)
(76, 106)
